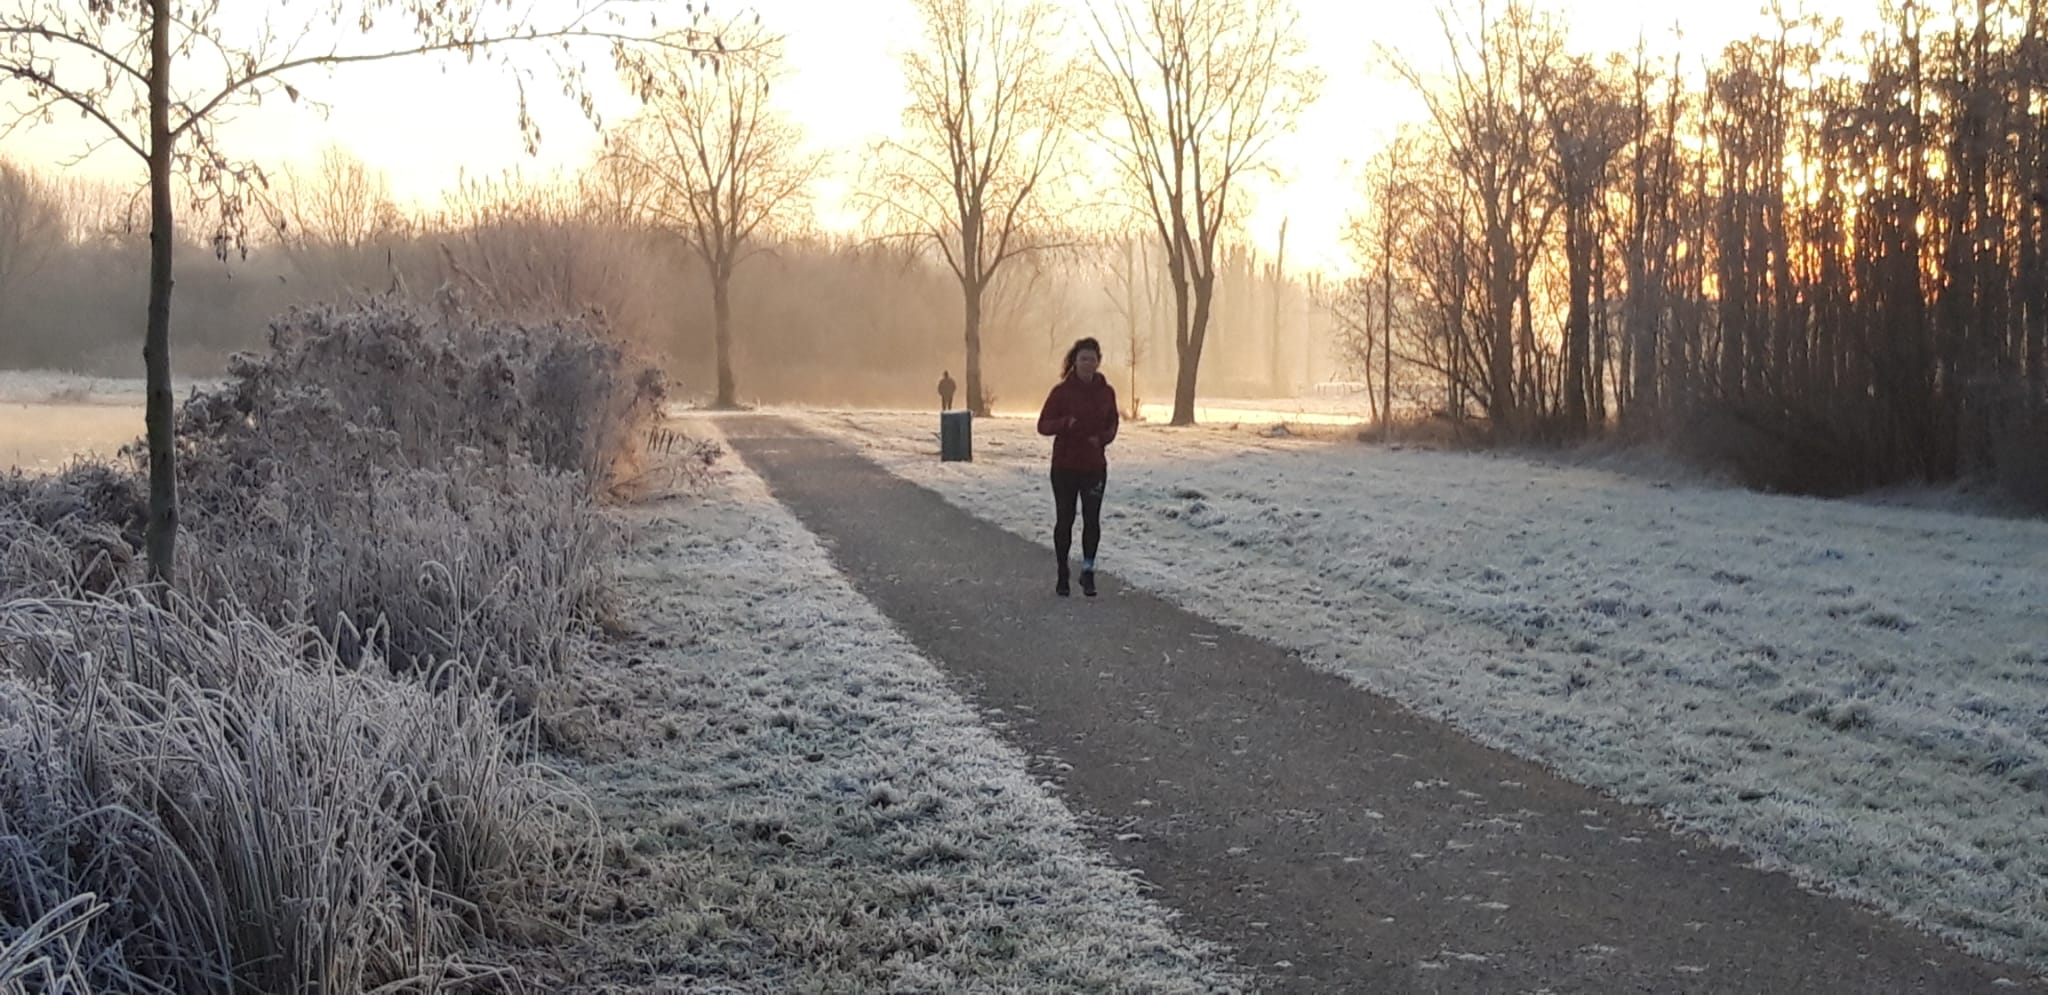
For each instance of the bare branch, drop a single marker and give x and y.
(84, 101)
(465, 46)
(46, 33)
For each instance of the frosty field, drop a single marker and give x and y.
(40, 437)
(47, 418)
(1855, 694)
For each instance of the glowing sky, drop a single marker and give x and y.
(424, 122)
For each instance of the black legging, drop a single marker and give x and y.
(1067, 486)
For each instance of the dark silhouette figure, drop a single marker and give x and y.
(946, 390)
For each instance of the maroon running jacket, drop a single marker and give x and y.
(1092, 407)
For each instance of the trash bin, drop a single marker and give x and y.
(956, 437)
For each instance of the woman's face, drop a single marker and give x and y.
(1085, 363)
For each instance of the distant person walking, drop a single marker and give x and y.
(1080, 415)
(946, 386)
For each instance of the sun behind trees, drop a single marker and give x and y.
(1818, 266)
(1814, 259)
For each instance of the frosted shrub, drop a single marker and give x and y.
(497, 569)
(561, 394)
(418, 480)
(299, 775)
(70, 533)
(252, 816)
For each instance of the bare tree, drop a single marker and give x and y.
(1487, 117)
(535, 250)
(1135, 296)
(327, 221)
(1444, 257)
(1588, 121)
(31, 228)
(1365, 307)
(344, 203)
(158, 76)
(1651, 231)
(1196, 91)
(989, 116)
(721, 167)
(1034, 294)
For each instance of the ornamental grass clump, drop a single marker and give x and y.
(244, 813)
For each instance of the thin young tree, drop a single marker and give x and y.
(722, 168)
(984, 134)
(1366, 306)
(1134, 295)
(157, 77)
(1195, 92)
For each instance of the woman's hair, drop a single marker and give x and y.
(1080, 346)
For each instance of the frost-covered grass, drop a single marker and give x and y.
(1266, 411)
(314, 770)
(1854, 693)
(799, 803)
(193, 801)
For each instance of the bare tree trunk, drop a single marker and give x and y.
(1533, 402)
(1578, 320)
(1644, 312)
(1387, 341)
(1279, 291)
(977, 397)
(1640, 310)
(2033, 282)
(721, 327)
(1203, 292)
(1134, 346)
(1602, 340)
(1500, 405)
(1732, 248)
(2032, 277)
(1183, 375)
(161, 539)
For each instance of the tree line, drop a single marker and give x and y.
(1821, 259)
(1818, 259)
(1190, 93)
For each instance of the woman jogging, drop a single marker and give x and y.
(1080, 415)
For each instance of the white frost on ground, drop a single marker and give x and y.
(46, 386)
(804, 805)
(49, 418)
(1352, 409)
(57, 386)
(1856, 694)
